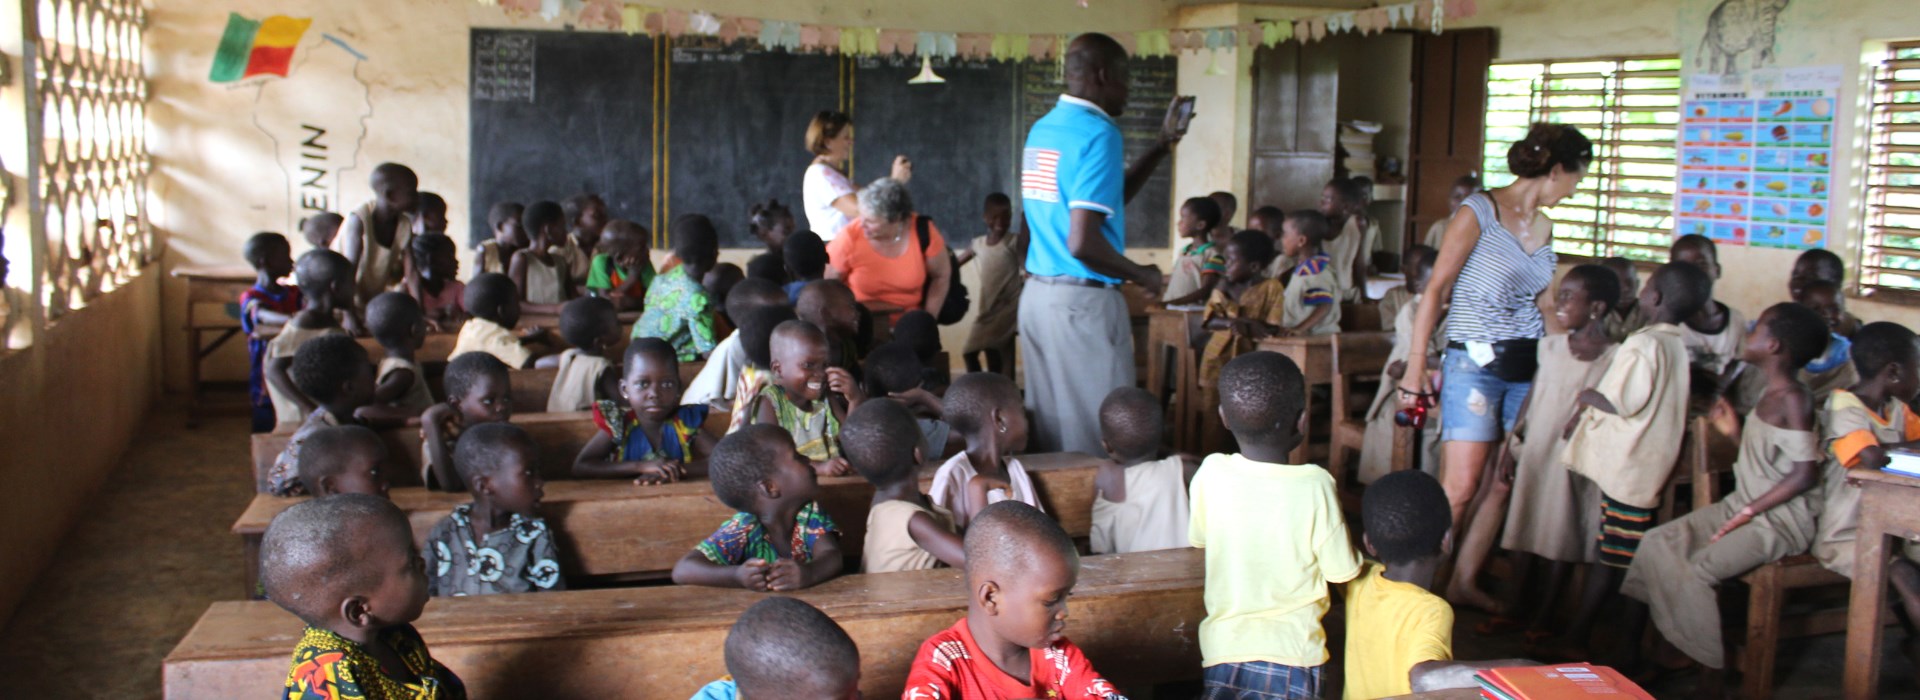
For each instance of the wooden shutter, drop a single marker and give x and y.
(1891, 254)
(1449, 120)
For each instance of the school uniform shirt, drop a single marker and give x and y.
(605, 276)
(380, 267)
(1717, 350)
(1275, 538)
(1437, 232)
(481, 335)
(949, 488)
(1264, 300)
(327, 665)
(889, 546)
(1154, 516)
(630, 444)
(1390, 304)
(518, 558)
(579, 259)
(716, 378)
(417, 398)
(996, 303)
(574, 381)
(1352, 243)
(547, 281)
(1391, 627)
(680, 312)
(492, 259)
(744, 537)
(1190, 269)
(1630, 454)
(950, 666)
(286, 409)
(1851, 426)
(1315, 284)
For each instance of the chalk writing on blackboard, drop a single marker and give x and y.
(503, 67)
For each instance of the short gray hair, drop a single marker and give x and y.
(887, 200)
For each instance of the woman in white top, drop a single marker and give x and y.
(827, 194)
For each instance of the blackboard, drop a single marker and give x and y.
(959, 135)
(1151, 86)
(555, 114)
(737, 129)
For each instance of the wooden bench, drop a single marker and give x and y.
(1136, 615)
(559, 435)
(614, 529)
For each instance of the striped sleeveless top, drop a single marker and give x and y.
(1494, 299)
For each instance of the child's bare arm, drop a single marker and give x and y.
(439, 471)
(269, 317)
(695, 570)
(592, 464)
(1794, 409)
(841, 382)
(1312, 319)
(937, 540)
(823, 567)
(393, 386)
(278, 379)
(1430, 676)
(382, 416)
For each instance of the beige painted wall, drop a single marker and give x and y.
(72, 403)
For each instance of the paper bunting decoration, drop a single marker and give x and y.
(632, 20)
(1302, 31)
(600, 14)
(1468, 8)
(809, 37)
(927, 44)
(948, 46)
(1251, 34)
(549, 9)
(1318, 25)
(675, 23)
(896, 42)
(703, 23)
(521, 7)
(1277, 31)
(1040, 47)
(1153, 43)
(829, 38)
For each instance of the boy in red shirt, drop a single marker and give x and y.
(1021, 567)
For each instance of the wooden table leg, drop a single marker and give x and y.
(1866, 610)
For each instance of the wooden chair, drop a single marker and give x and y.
(1361, 317)
(1697, 472)
(1766, 602)
(1355, 354)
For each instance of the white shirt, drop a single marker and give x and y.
(822, 186)
(717, 379)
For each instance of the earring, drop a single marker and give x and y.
(1003, 427)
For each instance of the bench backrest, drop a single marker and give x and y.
(1136, 616)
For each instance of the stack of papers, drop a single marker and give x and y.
(1565, 681)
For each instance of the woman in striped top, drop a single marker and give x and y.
(1496, 262)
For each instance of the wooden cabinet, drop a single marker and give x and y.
(1449, 120)
(1295, 97)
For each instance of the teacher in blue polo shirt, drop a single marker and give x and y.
(1075, 337)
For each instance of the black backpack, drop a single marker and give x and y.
(955, 307)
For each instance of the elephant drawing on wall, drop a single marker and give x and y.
(1736, 27)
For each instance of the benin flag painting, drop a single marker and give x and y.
(256, 47)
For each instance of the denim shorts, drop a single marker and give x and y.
(1475, 405)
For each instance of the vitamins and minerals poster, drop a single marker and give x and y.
(1755, 157)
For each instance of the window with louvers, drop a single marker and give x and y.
(1891, 251)
(1629, 108)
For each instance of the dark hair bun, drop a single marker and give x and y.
(1548, 145)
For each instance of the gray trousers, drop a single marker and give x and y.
(1077, 346)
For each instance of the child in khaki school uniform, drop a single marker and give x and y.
(1139, 500)
(1716, 335)
(1770, 513)
(1625, 434)
(1376, 449)
(591, 326)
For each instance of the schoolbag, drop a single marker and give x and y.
(955, 307)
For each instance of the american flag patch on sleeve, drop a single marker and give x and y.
(1040, 175)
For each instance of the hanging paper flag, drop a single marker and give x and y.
(656, 24)
(927, 44)
(1272, 33)
(675, 23)
(1422, 13)
(1128, 42)
(249, 48)
(631, 19)
(600, 14)
(1252, 34)
(809, 37)
(1040, 47)
(1319, 28)
(549, 9)
(1148, 43)
(1302, 31)
(1469, 8)
(1211, 38)
(573, 7)
(829, 38)
(703, 23)
(948, 46)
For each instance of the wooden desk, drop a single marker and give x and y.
(1171, 365)
(614, 529)
(1314, 355)
(1136, 615)
(559, 436)
(1889, 508)
(210, 284)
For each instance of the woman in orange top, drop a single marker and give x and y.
(880, 257)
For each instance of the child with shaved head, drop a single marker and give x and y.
(807, 395)
(780, 540)
(785, 648)
(344, 459)
(1021, 568)
(1139, 499)
(346, 566)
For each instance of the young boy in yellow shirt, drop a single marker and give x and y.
(1274, 538)
(1399, 634)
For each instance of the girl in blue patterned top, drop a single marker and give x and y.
(653, 439)
(780, 540)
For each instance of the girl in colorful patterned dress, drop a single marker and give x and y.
(653, 439)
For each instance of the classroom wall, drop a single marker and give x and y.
(221, 153)
(73, 402)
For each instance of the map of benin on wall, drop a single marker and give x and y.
(309, 102)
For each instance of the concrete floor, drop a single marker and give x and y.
(129, 582)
